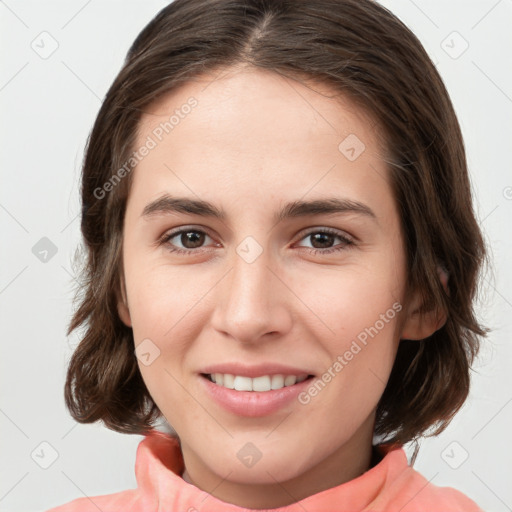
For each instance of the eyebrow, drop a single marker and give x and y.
(168, 204)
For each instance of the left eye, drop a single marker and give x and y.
(192, 239)
(322, 236)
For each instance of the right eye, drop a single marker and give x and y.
(190, 239)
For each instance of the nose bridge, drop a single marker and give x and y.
(251, 274)
(251, 303)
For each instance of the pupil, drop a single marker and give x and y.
(323, 238)
(194, 237)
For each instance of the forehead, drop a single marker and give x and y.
(259, 103)
(262, 135)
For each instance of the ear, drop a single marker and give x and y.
(122, 306)
(420, 325)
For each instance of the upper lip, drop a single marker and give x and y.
(254, 370)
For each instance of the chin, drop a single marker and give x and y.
(262, 469)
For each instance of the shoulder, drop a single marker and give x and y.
(424, 495)
(410, 491)
(125, 500)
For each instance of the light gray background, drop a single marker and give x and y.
(48, 107)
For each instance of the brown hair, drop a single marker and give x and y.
(362, 51)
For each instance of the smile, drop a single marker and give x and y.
(262, 383)
(254, 396)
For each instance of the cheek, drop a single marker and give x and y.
(350, 299)
(359, 311)
(162, 298)
(343, 301)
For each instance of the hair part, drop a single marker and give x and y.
(362, 52)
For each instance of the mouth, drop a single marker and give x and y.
(261, 383)
(262, 395)
(261, 389)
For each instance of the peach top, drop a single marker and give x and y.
(390, 485)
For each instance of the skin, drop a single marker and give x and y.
(255, 141)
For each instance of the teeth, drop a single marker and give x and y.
(243, 383)
(277, 382)
(289, 380)
(263, 383)
(229, 381)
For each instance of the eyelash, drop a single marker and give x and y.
(346, 241)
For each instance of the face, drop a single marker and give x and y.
(254, 288)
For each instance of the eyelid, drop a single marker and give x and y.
(326, 229)
(347, 240)
(314, 229)
(167, 235)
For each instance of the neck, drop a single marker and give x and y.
(346, 463)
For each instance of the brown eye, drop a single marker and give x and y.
(322, 241)
(194, 238)
(189, 239)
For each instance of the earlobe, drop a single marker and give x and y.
(122, 306)
(420, 325)
(443, 277)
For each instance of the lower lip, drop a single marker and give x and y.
(253, 403)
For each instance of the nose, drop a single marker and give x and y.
(252, 301)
